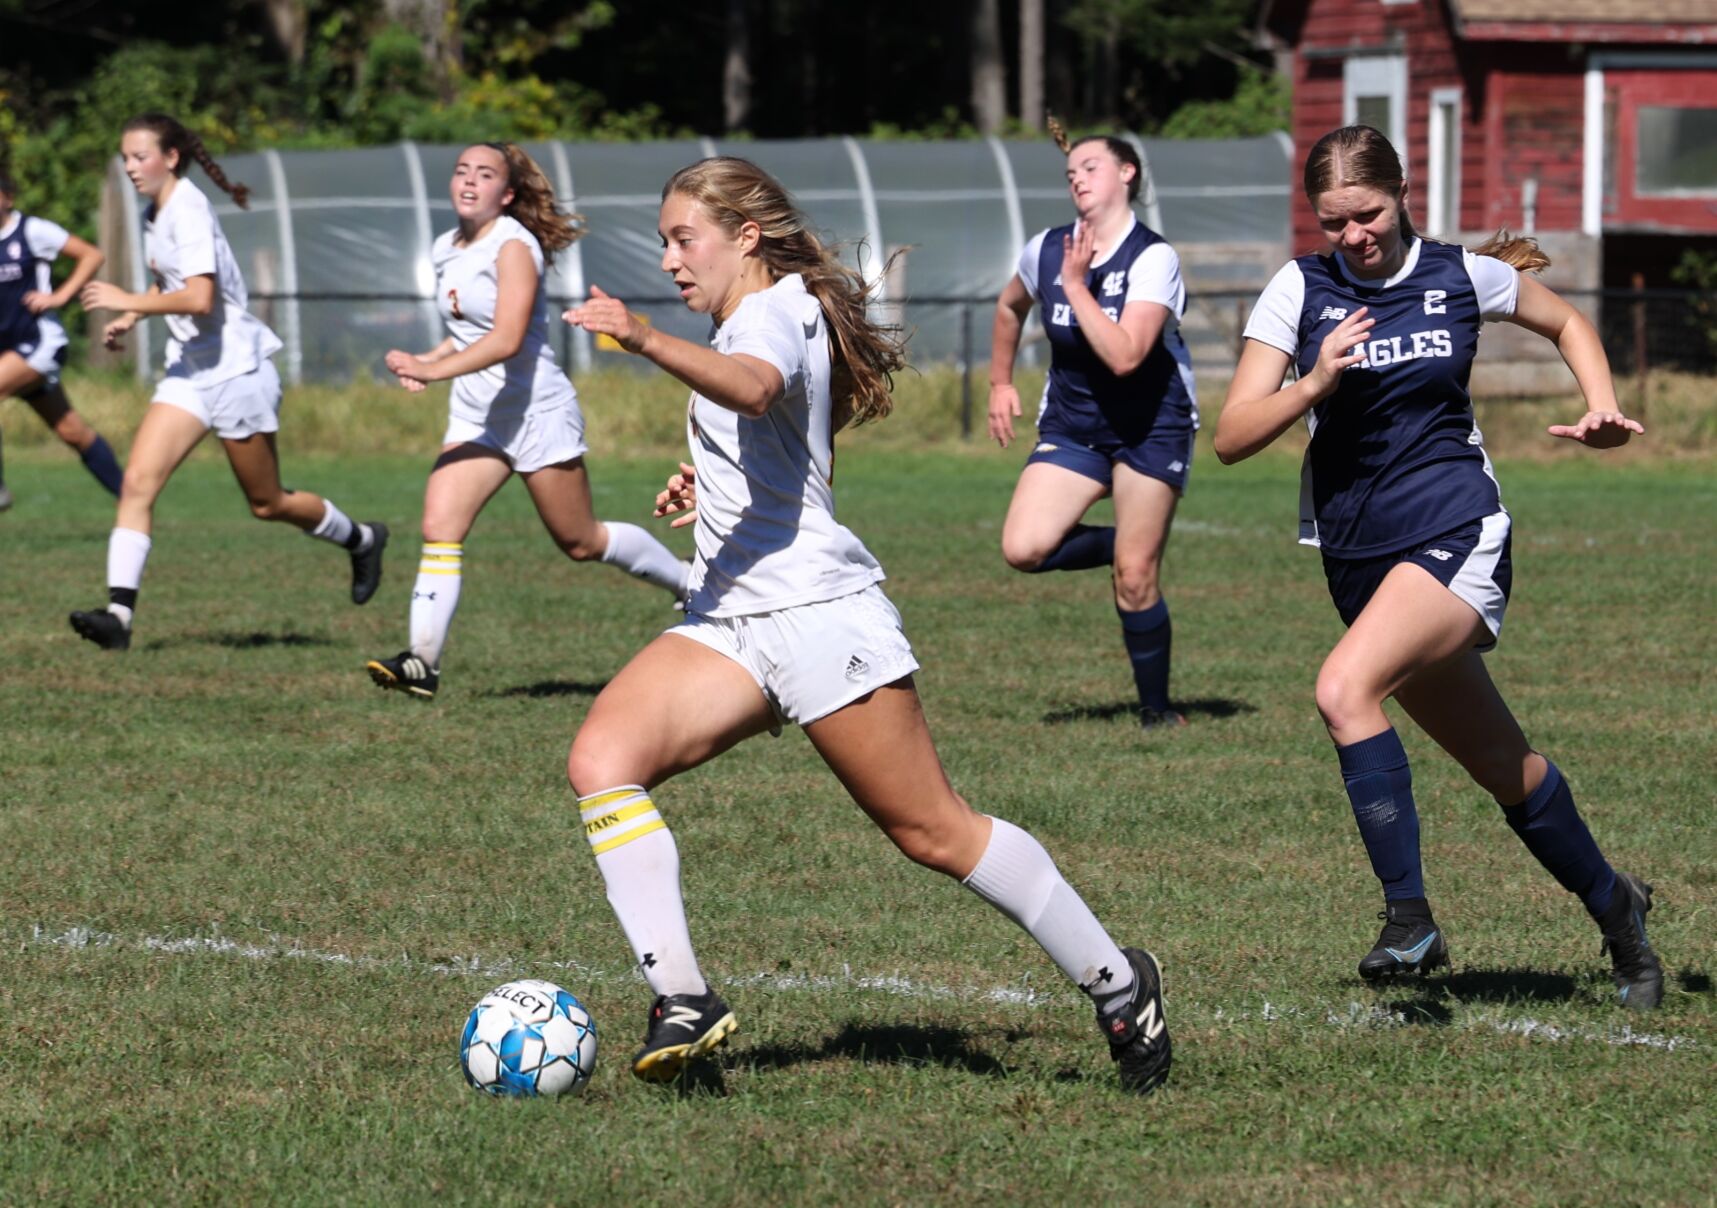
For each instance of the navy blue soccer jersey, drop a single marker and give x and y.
(1396, 457)
(27, 247)
(1082, 397)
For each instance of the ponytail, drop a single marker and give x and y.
(171, 135)
(1518, 251)
(1123, 151)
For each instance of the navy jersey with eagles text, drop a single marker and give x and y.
(1083, 398)
(1396, 457)
(27, 248)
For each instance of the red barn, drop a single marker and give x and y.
(1589, 123)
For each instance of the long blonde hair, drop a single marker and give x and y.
(866, 354)
(533, 203)
(1362, 156)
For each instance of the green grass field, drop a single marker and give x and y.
(246, 899)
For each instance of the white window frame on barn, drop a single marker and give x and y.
(1443, 162)
(1376, 77)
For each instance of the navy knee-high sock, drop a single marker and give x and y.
(1380, 788)
(1148, 635)
(99, 460)
(1555, 834)
(1085, 546)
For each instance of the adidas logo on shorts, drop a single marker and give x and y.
(1338, 313)
(856, 667)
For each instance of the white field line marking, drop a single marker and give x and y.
(1349, 1017)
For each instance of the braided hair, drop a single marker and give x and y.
(171, 135)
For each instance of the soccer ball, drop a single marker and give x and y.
(528, 1038)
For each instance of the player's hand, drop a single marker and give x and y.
(1077, 250)
(1337, 352)
(113, 335)
(606, 316)
(36, 302)
(680, 500)
(411, 369)
(1600, 429)
(104, 295)
(1004, 409)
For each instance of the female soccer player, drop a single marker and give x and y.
(1119, 410)
(218, 376)
(32, 342)
(512, 409)
(1381, 330)
(786, 623)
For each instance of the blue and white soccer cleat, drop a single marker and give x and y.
(1411, 942)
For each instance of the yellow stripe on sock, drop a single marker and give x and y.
(594, 826)
(454, 546)
(598, 800)
(622, 840)
(442, 558)
(439, 570)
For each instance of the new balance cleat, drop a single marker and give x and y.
(1411, 942)
(1138, 1034)
(367, 566)
(103, 628)
(407, 673)
(682, 1028)
(1635, 968)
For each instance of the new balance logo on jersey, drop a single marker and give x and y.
(1441, 555)
(856, 667)
(1338, 313)
(1114, 283)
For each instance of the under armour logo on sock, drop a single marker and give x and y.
(649, 961)
(1104, 976)
(423, 595)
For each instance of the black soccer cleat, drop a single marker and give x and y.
(1159, 719)
(367, 566)
(1138, 1034)
(407, 673)
(682, 1027)
(103, 628)
(1411, 942)
(1635, 968)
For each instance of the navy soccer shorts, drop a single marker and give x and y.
(1472, 561)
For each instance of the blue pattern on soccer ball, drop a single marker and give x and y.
(522, 1061)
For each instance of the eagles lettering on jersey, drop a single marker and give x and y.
(1083, 397)
(1396, 457)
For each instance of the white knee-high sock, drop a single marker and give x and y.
(435, 598)
(640, 866)
(127, 553)
(637, 553)
(1018, 878)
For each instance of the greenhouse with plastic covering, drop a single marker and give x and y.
(335, 246)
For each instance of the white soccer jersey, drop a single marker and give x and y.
(467, 281)
(766, 531)
(45, 241)
(181, 240)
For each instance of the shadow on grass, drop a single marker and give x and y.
(889, 1044)
(552, 688)
(1693, 982)
(239, 641)
(1213, 706)
(1512, 985)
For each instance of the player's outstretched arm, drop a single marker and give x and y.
(196, 298)
(87, 260)
(746, 384)
(1542, 310)
(1259, 408)
(1011, 311)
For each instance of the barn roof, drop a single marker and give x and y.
(1608, 11)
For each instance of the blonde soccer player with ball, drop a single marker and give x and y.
(787, 621)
